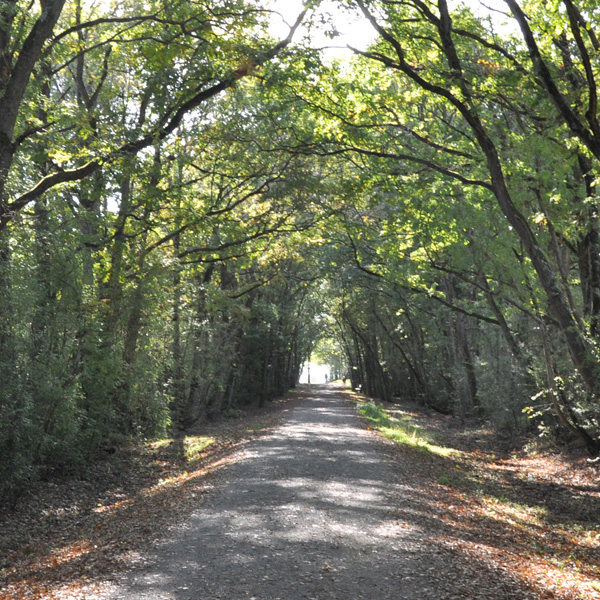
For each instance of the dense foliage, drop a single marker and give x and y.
(190, 207)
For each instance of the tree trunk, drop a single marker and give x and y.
(196, 399)
(588, 251)
(463, 350)
(7, 341)
(581, 354)
(556, 392)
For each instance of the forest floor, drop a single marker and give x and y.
(486, 520)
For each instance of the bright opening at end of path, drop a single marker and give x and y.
(318, 373)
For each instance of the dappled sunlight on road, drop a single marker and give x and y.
(312, 510)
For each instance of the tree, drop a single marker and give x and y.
(456, 84)
(89, 99)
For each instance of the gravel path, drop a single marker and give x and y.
(314, 510)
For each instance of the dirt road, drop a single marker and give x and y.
(318, 509)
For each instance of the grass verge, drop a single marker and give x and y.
(403, 431)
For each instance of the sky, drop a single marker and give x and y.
(318, 373)
(354, 30)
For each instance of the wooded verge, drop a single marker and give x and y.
(530, 514)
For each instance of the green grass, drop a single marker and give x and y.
(194, 445)
(163, 443)
(403, 432)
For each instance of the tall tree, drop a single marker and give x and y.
(467, 82)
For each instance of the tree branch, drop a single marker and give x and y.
(160, 132)
(562, 105)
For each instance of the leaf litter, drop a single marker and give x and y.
(534, 516)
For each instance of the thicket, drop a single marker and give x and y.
(187, 206)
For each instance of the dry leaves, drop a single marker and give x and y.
(534, 518)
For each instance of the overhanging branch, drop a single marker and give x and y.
(160, 132)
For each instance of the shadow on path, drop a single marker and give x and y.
(314, 510)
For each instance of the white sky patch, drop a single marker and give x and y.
(351, 27)
(316, 372)
(354, 30)
(494, 11)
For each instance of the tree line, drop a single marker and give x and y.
(188, 205)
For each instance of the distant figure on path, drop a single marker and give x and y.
(326, 377)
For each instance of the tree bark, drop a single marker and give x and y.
(15, 76)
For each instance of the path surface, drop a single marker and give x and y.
(314, 510)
